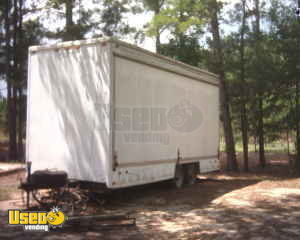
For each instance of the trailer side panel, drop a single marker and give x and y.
(162, 118)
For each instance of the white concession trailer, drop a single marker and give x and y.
(108, 112)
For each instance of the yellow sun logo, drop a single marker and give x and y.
(56, 217)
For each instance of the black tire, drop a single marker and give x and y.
(179, 177)
(191, 171)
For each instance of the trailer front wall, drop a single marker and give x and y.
(68, 111)
(161, 117)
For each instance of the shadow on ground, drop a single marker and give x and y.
(261, 205)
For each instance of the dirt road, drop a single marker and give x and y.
(264, 205)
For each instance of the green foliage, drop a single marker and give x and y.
(178, 17)
(190, 52)
(153, 5)
(272, 72)
(67, 9)
(112, 16)
(271, 63)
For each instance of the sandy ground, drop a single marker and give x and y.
(260, 205)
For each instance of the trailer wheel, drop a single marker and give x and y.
(179, 177)
(191, 173)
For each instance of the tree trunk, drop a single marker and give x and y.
(297, 128)
(20, 125)
(157, 41)
(7, 75)
(244, 117)
(20, 80)
(156, 6)
(11, 113)
(261, 140)
(16, 77)
(226, 119)
(288, 141)
(69, 20)
(181, 34)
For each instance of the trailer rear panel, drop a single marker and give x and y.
(68, 124)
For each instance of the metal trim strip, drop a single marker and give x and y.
(117, 54)
(164, 161)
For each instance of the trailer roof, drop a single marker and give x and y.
(78, 43)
